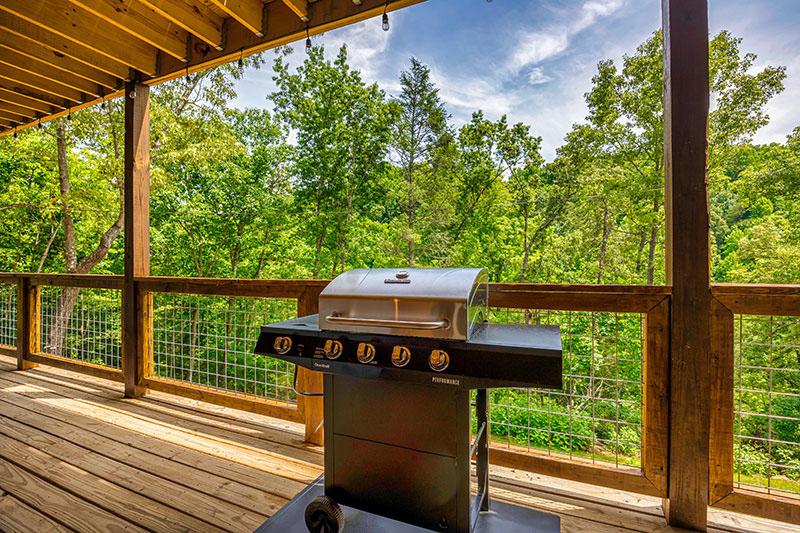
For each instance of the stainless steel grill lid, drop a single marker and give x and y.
(443, 303)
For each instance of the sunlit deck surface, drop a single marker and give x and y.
(75, 456)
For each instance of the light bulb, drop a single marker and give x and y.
(385, 22)
(308, 45)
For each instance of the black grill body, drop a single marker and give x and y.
(397, 440)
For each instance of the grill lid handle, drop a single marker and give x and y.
(376, 322)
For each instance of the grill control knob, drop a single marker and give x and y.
(282, 345)
(333, 349)
(401, 356)
(438, 360)
(365, 352)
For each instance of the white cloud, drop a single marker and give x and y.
(536, 76)
(536, 46)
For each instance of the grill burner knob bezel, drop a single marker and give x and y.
(442, 358)
(401, 356)
(365, 353)
(282, 345)
(333, 349)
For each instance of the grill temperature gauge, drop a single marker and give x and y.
(333, 349)
(282, 345)
(365, 352)
(438, 360)
(401, 356)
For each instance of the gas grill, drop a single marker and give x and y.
(401, 351)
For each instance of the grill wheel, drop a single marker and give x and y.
(323, 515)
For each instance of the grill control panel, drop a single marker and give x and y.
(496, 356)
(424, 355)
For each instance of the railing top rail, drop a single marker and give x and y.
(758, 289)
(774, 300)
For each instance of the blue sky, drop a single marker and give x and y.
(533, 60)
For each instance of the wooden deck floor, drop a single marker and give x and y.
(75, 456)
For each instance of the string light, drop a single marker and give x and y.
(69, 115)
(308, 41)
(15, 133)
(385, 17)
(240, 63)
(39, 125)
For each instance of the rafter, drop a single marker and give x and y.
(8, 96)
(300, 8)
(197, 19)
(21, 31)
(48, 100)
(40, 84)
(74, 24)
(14, 59)
(58, 63)
(248, 13)
(10, 116)
(140, 22)
(22, 112)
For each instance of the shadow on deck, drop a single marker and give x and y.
(75, 456)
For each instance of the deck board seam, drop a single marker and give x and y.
(272, 455)
(205, 495)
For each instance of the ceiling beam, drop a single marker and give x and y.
(197, 19)
(40, 83)
(248, 13)
(21, 31)
(59, 63)
(18, 110)
(48, 100)
(11, 97)
(140, 22)
(300, 8)
(282, 27)
(74, 24)
(12, 58)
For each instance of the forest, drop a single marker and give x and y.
(335, 173)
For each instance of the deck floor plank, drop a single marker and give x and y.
(71, 450)
(15, 517)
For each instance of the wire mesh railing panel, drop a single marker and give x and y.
(597, 415)
(82, 324)
(767, 404)
(8, 314)
(209, 341)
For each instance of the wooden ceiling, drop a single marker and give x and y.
(58, 56)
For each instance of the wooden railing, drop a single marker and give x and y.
(739, 303)
(651, 304)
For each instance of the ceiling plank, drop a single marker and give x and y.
(11, 117)
(248, 13)
(300, 8)
(140, 22)
(11, 97)
(48, 100)
(196, 19)
(20, 30)
(22, 62)
(17, 109)
(57, 61)
(40, 83)
(76, 25)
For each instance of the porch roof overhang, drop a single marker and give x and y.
(59, 56)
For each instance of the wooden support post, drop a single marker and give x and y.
(28, 322)
(136, 349)
(310, 381)
(686, 97)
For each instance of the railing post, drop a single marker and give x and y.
(28, 322)
(686, 102)
(136, 308)
(310, 381)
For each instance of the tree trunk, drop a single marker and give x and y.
(66, 301)
(603, 247)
